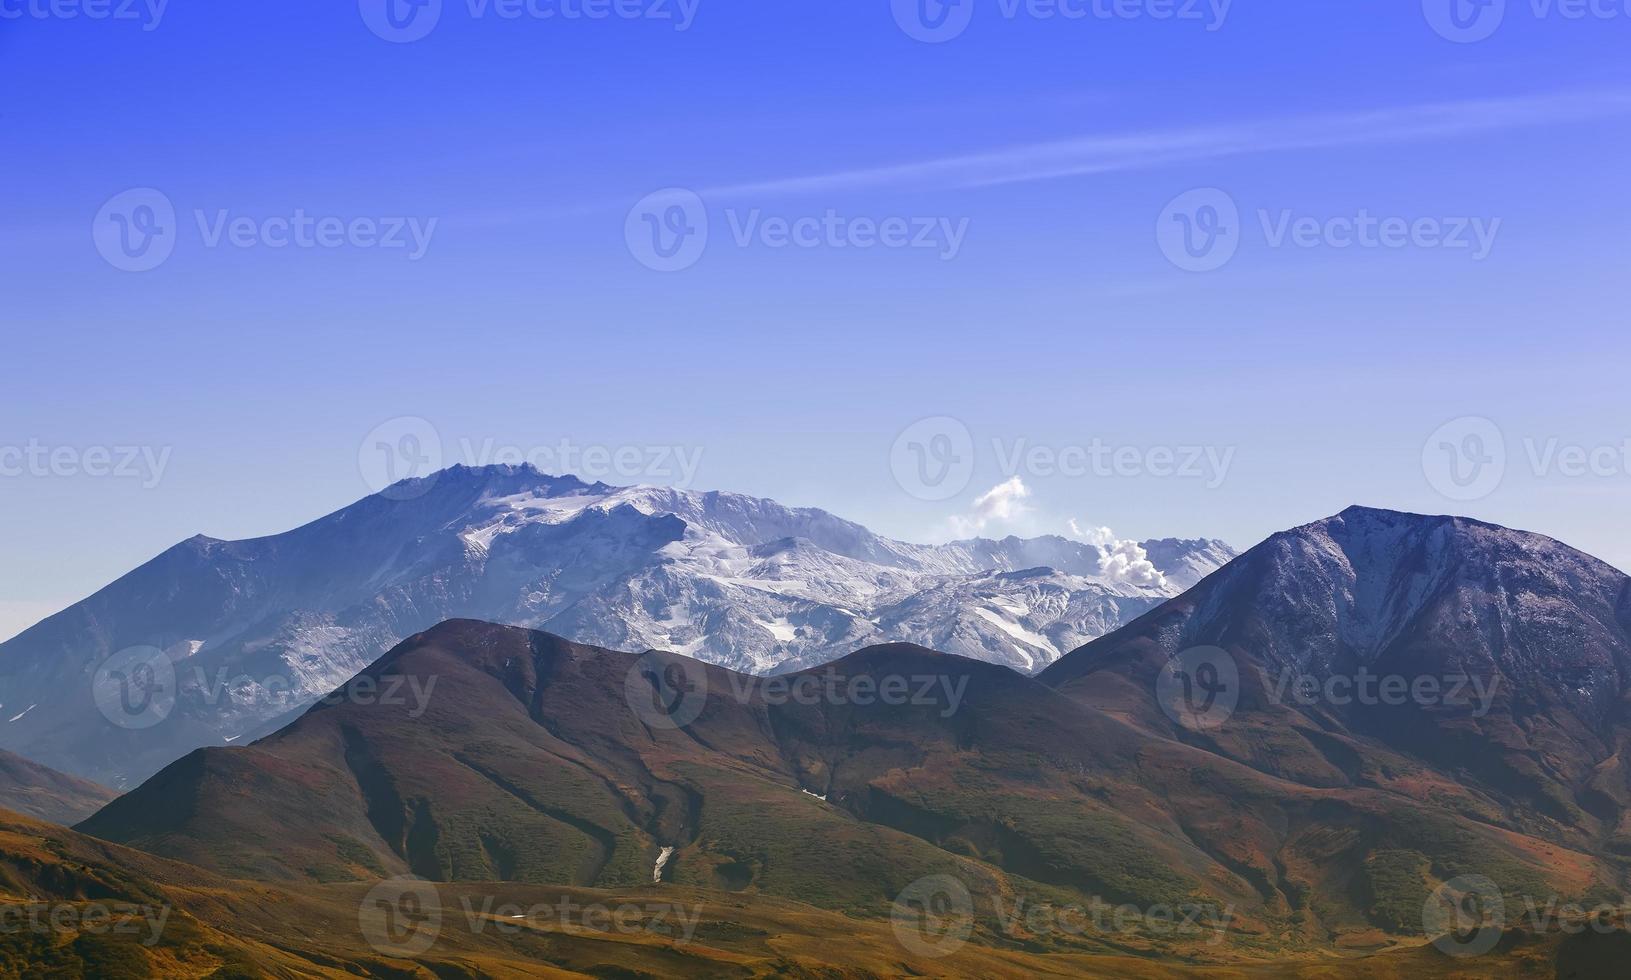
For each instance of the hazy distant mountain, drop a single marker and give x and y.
(45, 794)
(257, 629)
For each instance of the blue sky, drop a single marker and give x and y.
(1047, 165)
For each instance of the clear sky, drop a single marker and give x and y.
(1300, 236)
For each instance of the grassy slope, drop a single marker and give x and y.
(233, 930)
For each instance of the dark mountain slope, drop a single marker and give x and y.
(537, 760)
(1508, 657)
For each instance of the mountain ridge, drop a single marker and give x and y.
(985, 774)
(257, 628)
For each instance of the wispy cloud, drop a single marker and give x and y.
(1152, 148)
(1148, 149)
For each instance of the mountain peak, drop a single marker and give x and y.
(1360, 513)
(901, 658)
(1407, 593)
(1359, 525)
(518, 476)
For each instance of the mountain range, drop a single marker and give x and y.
(1309, 818)
(1299, 757)
(243, 635)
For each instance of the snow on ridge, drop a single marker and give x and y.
(1021, 634)
(781, 629)
(738, 581)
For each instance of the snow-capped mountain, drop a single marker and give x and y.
(257, 629)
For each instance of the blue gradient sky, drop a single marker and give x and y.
(1059, 322)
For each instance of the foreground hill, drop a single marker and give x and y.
(74, 908)
(255, 630)
(80, 909)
